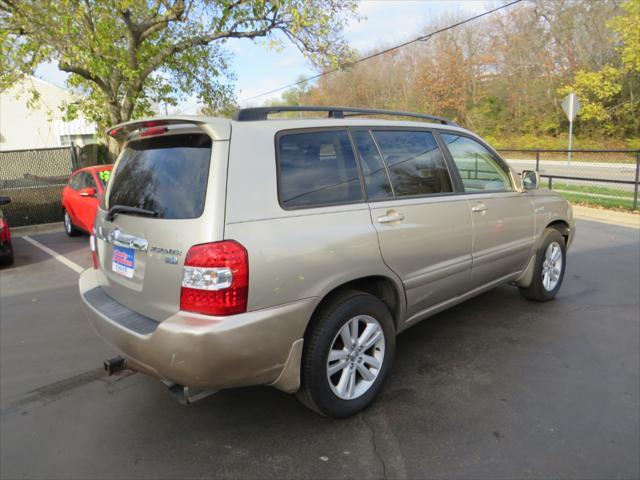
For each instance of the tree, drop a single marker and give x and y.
(609, 95)
(503, 75)
(127, 54)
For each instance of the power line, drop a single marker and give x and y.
(377, 54)
(382, 52)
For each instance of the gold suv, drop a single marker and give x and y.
(292, 251)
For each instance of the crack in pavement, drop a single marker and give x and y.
(385, 444)
(375, 444)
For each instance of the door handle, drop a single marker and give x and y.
(129, 241)
(391, 217)
(480, 207)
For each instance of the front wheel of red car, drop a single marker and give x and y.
(7, 258)
(69, 228)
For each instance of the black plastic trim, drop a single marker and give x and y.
(118, 313)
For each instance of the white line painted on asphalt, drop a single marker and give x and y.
(72, 265)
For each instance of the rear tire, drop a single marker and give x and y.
(357, 329)
(69, 228)
(551, 262)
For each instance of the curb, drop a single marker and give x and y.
(37, 229)
(612, 217)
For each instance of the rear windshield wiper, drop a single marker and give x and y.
(116, 209)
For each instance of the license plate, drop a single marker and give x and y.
(123, 261)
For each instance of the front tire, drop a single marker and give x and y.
(551, 261)
(69, 228)
(348, 353)
(7, 259)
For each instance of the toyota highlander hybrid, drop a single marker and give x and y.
(290, 252)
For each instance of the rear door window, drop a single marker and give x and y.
(415, 163)
(167, 175)
(316, 169)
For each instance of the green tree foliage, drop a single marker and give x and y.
(610, 95)
(126, 55)
(627, 26)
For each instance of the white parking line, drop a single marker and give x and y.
(72, 265)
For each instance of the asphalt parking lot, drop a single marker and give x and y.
(495, 388)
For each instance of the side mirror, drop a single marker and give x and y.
(87, 192)
(530, 180)
(4, 200)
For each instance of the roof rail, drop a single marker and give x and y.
(262, 113)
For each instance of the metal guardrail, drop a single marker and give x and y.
(585, 168)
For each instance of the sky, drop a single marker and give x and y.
(259, 69)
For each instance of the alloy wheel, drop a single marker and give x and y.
(355, 357)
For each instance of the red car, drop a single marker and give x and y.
(81, 196)
(6, 250)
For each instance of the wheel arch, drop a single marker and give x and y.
(386, 289)
(563, 227)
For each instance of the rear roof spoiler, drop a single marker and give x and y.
(217, 126)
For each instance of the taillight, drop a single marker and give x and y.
(215, 279)
(5, 233)
(94, 250)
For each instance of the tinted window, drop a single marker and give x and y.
(317, 168)
(168, 175)
(76, 181)
(88, 182)
(375, 175)
(478, 168)
(415, 163)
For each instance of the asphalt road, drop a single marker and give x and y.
(495, 388)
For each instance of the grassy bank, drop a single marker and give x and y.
(561, 142)
(596, 196)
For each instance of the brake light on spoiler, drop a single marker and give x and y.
(149, 127)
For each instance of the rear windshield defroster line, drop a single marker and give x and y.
(167, 175)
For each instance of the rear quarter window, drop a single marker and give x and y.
(317, 169)
(167, 175)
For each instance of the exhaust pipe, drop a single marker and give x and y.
(187, 395)
(114, 365)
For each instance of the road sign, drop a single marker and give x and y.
(571, 106)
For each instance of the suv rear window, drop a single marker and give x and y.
(167, 174)
(316, 169)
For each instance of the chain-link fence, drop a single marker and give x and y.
(607, 178)
(34, 180)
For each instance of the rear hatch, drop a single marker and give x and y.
(163, 197)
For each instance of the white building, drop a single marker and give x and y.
(41, 125)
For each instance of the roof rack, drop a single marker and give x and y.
(262, 113)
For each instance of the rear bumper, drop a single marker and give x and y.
(254, 348)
